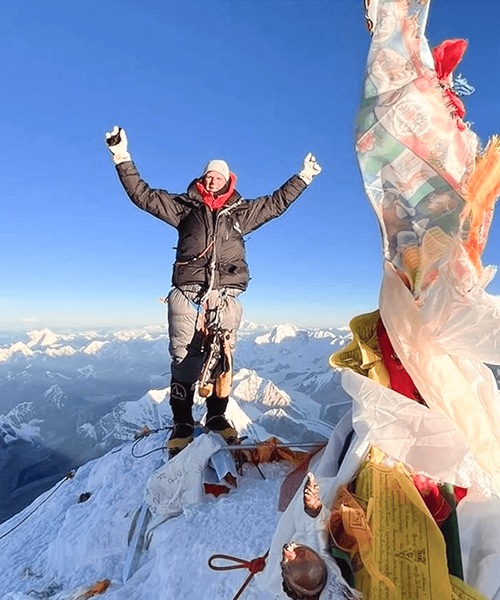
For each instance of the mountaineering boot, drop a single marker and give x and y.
(181, 403)
(182, 435)
(217, 422)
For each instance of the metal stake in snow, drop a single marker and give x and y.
(283, 445)
(138, 528)
(141, 519)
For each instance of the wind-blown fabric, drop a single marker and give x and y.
(433, 192)
(414, 151)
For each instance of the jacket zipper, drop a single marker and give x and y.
(213, 260)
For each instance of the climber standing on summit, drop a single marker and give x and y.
(209, 272)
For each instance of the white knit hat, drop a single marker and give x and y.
(219, 166)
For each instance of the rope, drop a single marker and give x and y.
(254, 566)
(69, 475)
(149, 432)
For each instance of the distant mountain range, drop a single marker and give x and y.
(68, 398)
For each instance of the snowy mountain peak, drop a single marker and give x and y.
(61, 351)
(247, 384)
(157, 396)
(283, 388)
(94, 347)
(17, 348)
(277, 334)
(42, 338)
(55, 397)
(95, 407)
(273, 396)
(252, 388)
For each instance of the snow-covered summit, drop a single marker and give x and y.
(277, 334)
(86, 402)
(17, 348)
(42, 338)
(55, 397)
(249, 387)
(68, 545)
(95, 346)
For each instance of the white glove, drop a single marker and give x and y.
(117, 144)
(310, 169)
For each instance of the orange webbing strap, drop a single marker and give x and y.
(254, 566)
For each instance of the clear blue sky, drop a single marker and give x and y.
(257, 82)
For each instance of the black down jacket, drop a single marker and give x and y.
(210, 243)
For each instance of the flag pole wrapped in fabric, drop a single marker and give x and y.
(433, 191)
(416, 369)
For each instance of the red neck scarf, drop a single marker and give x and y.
(216, 202)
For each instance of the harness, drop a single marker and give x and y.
(216, 372)
(218, 364)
